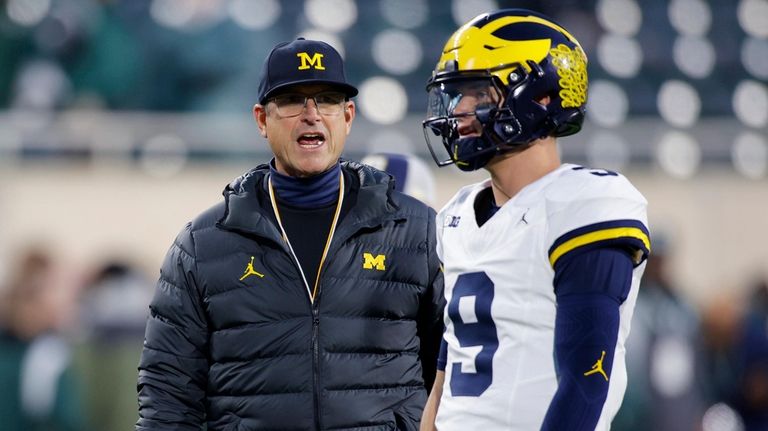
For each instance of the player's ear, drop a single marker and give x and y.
(260, 115)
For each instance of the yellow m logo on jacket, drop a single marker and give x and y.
(316, 61)
(371, 262)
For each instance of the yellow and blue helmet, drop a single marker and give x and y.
(516, 74)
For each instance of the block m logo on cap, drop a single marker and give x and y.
(307, 62)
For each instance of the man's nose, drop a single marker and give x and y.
(310, 108)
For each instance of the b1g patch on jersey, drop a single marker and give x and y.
(631, 234)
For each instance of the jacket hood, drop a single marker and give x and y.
(244, 197)
(369, 177)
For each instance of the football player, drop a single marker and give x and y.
(543, 259)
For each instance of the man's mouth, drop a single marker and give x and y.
(311, 140)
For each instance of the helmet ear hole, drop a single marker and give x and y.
(507, 130)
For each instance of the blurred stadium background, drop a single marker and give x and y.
(122, 119)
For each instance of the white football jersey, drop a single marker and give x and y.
(500, 313)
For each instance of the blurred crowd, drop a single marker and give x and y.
(70, 338)
(203, 55)
(167, 55)
(695, 368)
(86, 54)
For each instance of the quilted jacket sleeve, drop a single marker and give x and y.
(173, 368)
(431, 314)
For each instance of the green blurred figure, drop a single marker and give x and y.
(664, 355)
(39, 388)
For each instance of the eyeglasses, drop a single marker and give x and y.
(292, 104)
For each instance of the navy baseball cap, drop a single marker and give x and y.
(302, 62)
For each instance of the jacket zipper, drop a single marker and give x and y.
(316, 362)
(314, 294)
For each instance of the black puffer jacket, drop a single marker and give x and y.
(254, 353)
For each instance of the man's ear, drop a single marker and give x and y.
(349, 114)
(260, 115)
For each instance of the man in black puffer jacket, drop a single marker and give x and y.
(311, 298)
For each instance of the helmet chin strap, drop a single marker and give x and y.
(474, 152)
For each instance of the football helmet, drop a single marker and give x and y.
(488, 93)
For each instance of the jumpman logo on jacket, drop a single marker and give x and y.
(598, 367)
(250, 271)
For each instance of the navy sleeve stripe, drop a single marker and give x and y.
(631, 233)
(442, 358)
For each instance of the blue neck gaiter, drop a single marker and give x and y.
(311, 192)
